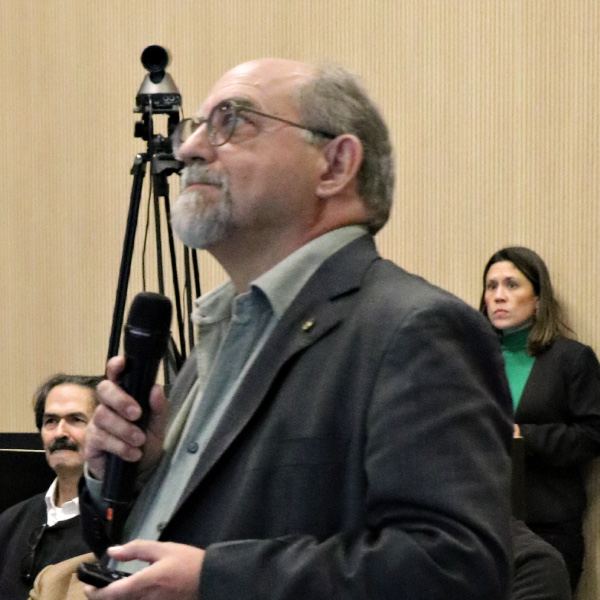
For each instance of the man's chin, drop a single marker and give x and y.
(65, 458)
(200, 222)
(200, 235)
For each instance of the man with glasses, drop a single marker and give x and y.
(46, 528)
(342, 427)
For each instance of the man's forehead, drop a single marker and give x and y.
(69, 398)
(64, 413)
(267, 82)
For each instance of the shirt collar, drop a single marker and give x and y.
(59, 513)
(281, 283)
(214, 306)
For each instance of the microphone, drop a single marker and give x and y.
(145, 340)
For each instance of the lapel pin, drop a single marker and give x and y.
(308, 325)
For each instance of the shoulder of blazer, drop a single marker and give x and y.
(552, 367)
(359, 265)
(565, 351)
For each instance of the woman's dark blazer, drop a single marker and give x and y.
(559, 419)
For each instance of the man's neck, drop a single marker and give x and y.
(244, 264)
(245, 260)
(66, 489)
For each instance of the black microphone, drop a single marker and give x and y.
(145, 340)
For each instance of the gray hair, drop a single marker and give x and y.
(336, 101)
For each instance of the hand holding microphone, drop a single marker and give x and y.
(115, 438)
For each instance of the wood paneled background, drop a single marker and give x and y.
(493, 107)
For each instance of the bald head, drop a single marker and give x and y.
(271, 72)
(271, 82)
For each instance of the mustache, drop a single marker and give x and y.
(197, 173)
(63, 444)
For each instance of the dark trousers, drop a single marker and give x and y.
(567, 538)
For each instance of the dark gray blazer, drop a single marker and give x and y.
(365, 455)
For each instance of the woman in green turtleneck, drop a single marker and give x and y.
(555, 386)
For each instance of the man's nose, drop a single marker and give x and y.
(62, 428)
(196, 147)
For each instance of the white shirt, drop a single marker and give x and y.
(68, 510)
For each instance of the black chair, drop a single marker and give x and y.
(24, 471)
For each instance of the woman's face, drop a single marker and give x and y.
(509, 296)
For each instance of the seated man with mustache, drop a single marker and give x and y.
(46, 528)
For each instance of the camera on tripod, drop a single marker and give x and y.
(158, 90)
(158, 94)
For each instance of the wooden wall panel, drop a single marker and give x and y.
(492, 104)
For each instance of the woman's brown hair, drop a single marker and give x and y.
(548, 322)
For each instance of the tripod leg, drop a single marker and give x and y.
(138, 171)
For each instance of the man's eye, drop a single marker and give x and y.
(232, 119)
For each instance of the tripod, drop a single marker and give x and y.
(157, 95)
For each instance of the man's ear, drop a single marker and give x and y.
(343, 156)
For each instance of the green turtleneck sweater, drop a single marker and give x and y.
(518, 363)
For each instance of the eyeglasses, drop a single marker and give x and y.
(223, 120)
(27, 569)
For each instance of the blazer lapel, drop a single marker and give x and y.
(314, 312)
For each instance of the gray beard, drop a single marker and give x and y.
(199, 223)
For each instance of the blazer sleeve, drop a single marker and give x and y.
(436, 508)
(561, 427)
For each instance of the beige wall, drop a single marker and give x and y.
(493, 107)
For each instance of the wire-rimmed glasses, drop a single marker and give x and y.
(223, 120)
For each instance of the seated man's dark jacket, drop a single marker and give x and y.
(365, 454)
(17, 524)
